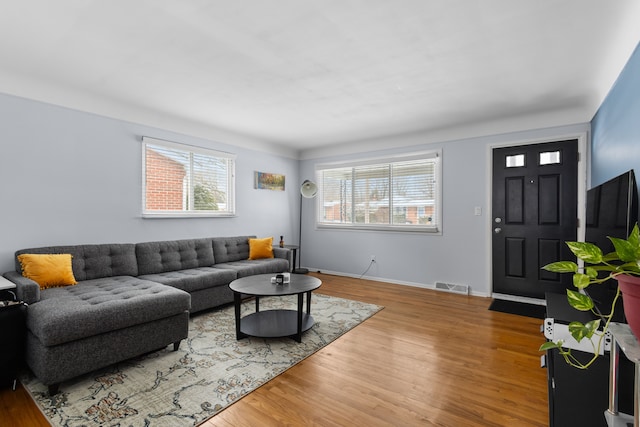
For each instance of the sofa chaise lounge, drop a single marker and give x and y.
(129, 299)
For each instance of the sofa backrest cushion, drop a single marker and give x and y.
(229, 249)
(93, 261)
(173, 255)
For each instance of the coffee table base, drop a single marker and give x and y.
(275, 324)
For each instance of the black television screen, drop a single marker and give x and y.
(612, 210)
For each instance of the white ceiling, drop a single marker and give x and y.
(302, 75)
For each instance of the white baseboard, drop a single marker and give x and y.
(516, 298)
(393, 281)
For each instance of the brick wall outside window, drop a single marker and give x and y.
(164, 182)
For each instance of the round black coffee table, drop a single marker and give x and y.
(274, 323)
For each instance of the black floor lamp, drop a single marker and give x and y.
(308, 190)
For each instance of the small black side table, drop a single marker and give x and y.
(294, 253)
(12, 333)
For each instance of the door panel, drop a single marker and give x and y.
(516, 254)
(515, 200)
(534, 212)
(549, 200)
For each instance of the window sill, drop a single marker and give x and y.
(381, 227)
(153, 215)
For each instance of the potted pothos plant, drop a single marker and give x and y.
(622, 265)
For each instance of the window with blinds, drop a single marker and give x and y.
(397, 194)
(182, 180)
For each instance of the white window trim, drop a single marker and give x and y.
(435, 229)
(230, 212)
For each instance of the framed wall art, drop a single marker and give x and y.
(268, 181)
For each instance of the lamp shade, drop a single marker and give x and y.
(308, 189)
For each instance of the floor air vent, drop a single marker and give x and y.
(450, 287)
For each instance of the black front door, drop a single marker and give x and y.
(535, 210)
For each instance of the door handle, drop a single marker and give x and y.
(497, 230)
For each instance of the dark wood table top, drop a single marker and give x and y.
(260, 285)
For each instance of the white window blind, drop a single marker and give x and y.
(400, 193)
(183, 180)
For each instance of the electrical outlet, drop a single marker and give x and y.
(373, 258)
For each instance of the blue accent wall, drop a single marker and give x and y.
(615, 142)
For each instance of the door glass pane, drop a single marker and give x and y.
(515, 161)
(550, 158)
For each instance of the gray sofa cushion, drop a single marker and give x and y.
(282, 253)
(93, 261)
(228, 249)
(172, 255)
(101, 305)
(256, 266)
(194, 279)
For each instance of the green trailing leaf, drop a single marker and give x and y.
(604, 267)
(630, 267)
(593, 326)
(624, 249)
(634, 239)
(611, 256)
(591, 272)
(579, 331)
(561, 267)
(579, 301)
(551, 345)
(588, 252)
(581, 281)
(625, 260)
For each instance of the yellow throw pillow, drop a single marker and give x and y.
(261, 248)
(48, 270)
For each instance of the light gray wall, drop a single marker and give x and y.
(69, 177)
(461, 255)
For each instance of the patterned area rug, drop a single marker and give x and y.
(210, 371)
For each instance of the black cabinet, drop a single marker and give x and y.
(579, 397)
(12, 337)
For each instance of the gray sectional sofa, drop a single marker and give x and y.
(130, 299)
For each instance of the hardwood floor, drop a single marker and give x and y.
(429, 358)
